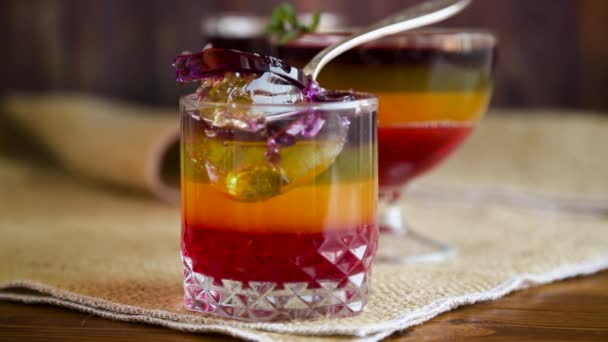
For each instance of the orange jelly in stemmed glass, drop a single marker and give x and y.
(433, 86)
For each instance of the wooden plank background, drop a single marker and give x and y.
(553, 53)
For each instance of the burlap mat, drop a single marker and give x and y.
(117, 143)
(116, 255)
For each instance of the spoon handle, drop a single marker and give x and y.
(426, 13)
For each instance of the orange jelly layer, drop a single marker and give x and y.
(306, 209)
(398, 108)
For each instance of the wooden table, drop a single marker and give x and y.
(573, 310)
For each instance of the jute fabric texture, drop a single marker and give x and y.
(524, 201)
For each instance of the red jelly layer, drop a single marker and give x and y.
(333, 255)
(407, 151)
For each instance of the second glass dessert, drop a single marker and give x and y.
(434, 85)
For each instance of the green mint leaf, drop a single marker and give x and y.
(290, 15)
(287, 37)
(316, 19)
(284, 25)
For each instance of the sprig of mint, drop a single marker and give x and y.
(284, 25)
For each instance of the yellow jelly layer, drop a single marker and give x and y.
(401, 108)
(312, 208)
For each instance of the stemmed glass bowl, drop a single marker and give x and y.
(434, 86)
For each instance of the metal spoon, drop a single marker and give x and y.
(426, 13)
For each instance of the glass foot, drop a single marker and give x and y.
(400, 244)
(411, 247)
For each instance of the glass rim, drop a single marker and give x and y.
(485, 38)
(362, 99)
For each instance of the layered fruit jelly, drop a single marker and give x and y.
(431, 91)
(285, 236)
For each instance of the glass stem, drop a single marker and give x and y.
(391, 220)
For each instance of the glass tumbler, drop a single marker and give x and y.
(279, 207)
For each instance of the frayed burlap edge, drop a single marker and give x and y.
(49, 295)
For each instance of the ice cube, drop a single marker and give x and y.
(242, 89)
(249, 88)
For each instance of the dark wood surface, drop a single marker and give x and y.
(572, 310)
